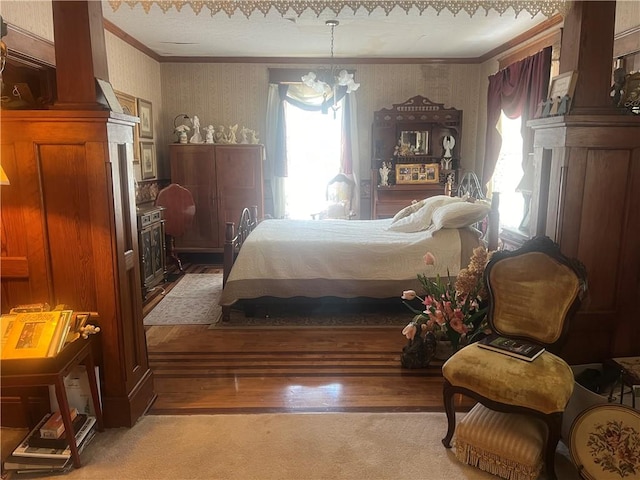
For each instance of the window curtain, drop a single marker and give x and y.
(306, 98)
(517, 90)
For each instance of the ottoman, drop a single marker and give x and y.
(504, 444)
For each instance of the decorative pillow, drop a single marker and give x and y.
(421, 219)
(458, 215)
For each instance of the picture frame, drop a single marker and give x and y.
(417, 173)
(563, 84)
(130, 107)
(145, 112)
(148, 160)
(108, 95)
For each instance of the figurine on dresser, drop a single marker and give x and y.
(197, 136)
(384, 174)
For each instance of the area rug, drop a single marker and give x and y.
(336, 446)
(194, 300)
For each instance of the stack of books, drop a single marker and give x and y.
(46, 448)
(28, 333)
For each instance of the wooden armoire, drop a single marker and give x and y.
(68, 232)
(223, 179)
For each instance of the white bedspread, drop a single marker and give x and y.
(341, 257)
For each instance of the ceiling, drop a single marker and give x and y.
(361, 34)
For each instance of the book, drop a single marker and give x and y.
(35, 334)
(24, 450)
(514, 348)
(54, 426)
(32, 464)
(37, 440)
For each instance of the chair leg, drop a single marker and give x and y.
(447, 397)
(554, 424)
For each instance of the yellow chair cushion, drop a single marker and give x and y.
(544, 385)
(504, 444)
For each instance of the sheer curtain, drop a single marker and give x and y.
(303, 97)
(516, 90)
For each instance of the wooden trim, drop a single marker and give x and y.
(554, 21)
(14, 267)
(125, 37)
(626, 43)
(28, 48)
(547, 41)
(320, 61)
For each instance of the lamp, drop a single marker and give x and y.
(4, 180)
(330, 86)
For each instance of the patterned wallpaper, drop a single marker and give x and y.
(226, 94)
(35, 17)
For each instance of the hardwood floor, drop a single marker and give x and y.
(302, 369)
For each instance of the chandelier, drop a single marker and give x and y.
(327, 84)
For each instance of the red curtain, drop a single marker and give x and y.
(517, 90)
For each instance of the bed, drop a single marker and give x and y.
(285, 259)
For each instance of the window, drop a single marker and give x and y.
(508, 173)
(313, 149)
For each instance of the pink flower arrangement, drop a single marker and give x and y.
(451, 309)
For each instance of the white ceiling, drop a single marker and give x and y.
(360, 34)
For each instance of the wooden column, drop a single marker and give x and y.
(587, 48)
(80, 53)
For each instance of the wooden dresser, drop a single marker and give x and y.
(223, 179)
(412, 134)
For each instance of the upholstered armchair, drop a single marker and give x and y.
(533, 293)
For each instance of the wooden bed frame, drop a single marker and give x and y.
(234, 238)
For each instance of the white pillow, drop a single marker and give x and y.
(408, 210)
(458, 215)
(421, 219)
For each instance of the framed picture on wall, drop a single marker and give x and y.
(148, 160)
(130, 107)
(146, 118)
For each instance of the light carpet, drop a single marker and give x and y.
(349, 446)
(194, 300)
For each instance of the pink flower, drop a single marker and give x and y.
(457, 324)
(429, 259)
(409, 295)
(410, 331)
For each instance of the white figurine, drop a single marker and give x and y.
(219, 136)
(209, 136)
(384, 175)
(196, 137)
(231, 136)
(243, 135)
(448, 142)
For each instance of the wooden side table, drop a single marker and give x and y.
(30, 372)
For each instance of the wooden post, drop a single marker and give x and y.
(587, 48)
(80, 53)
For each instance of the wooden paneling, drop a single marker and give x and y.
(71, 214)
(591, 211)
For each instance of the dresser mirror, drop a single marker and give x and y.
(413, 142)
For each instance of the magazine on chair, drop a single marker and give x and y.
(514, 348)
